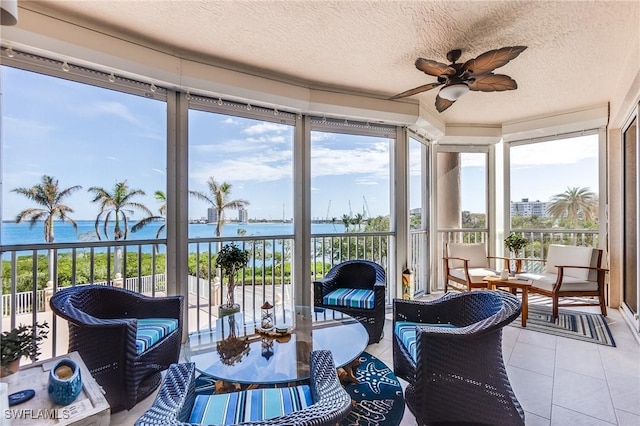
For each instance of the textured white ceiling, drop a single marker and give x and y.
(579, 52)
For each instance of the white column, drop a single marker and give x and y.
(301, 279)
(178, 200)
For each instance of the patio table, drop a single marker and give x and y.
(256, 358)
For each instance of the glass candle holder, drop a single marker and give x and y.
(266, 322)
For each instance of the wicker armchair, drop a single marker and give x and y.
(176, 397)
(453, 362)
(103, 322)
(359, 275)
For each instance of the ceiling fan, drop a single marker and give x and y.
(458, 78)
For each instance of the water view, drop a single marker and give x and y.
(20, 233)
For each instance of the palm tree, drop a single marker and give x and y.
(116, 205)
(48, 195)
(357, 220)
(346, 220)
(572, 203)
(160, 196)
(218, 197)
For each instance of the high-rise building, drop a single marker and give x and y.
(528, 208)
(212, 215)
(243, 215)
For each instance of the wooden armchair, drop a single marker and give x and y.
(570, 271)
(466, 264)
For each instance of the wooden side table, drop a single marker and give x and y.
(90, 408)
(513, 284)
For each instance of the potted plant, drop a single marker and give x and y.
(516, 242)
(23, 340)
(230, 259)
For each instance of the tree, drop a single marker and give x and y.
(357, 220)
(160, 196)
(117, 206)
(574, 203)
(218, 197)
(48, 195)
(346, 220)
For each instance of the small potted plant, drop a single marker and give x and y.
(516, 242)
(230, 259)
(23, 340)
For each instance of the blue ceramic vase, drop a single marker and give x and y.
(65, 382)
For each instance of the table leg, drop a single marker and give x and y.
(525, 305)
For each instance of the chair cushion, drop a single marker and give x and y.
(476, 274)
(569, 255)
(249, 406)
(151, 330)
(350, 297)
(546, 281)
(406, 331)
(475, 253)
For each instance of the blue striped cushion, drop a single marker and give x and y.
(351, 297)
(152, 330)
(249, 406)
(406, 331)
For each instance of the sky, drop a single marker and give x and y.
(94, 137)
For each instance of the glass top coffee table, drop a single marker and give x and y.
(235, 352)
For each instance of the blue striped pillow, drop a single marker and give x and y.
(249, 406)
(406, 331)
(151, 330)
(350, 297)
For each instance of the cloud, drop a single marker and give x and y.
(265, 127)
(231, 120)
(566, 151)
(158, 170)
(117, 109)
(25, 129)
(242, 171)
(372, 161)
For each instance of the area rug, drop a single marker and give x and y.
(378, 397)
(572, 324)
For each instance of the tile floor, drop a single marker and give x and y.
(558, 381)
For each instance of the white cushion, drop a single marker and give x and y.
(546, 281)
(569, 255)
(474, 252)
(476, 274)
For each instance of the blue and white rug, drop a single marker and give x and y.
(571, 324)
(378, 396)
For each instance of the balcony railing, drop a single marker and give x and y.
(30, 274)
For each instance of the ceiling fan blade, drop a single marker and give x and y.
(415, 90)
(493, 83)
(442, 103)
(434, 68)
(492, 59)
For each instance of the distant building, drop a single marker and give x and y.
(212, 215)
(243, 216)
(528, 208)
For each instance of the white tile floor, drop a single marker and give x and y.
(558, 381)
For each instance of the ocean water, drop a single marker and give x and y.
(14, 233)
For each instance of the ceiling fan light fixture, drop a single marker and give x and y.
(453, 91)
